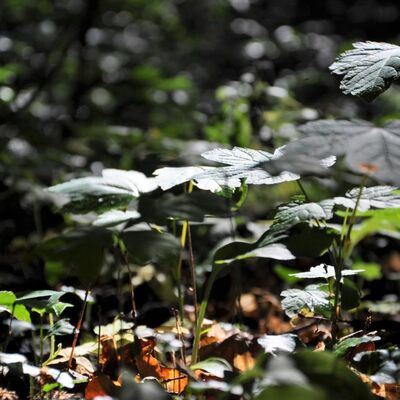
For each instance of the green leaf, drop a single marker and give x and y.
(115, 217)
(381, 197)
(21, 313)
(309, 241)
(152, 247)
(60, 307)
(368, 69)
(80, 249)
(7, 298)
(235, 251)
(191, 206)
(241, 163)
(61, 328)
(350, 295)
(369, 271)
(8, 303)
(326, 371)
(360, 142)
(324, 271)
(291, 392)
(286, 273)
(341, 347)
(311, 298)
(385, 222)
(213, 365)
(276, 243)
(114, 189)
(295, 213)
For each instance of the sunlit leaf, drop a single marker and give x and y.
(368, 69)
(273, 344)
(114, 189)
(312, 298)
(60, 328)
(8, 303)
(242, 163)
(214, 365)
(381, 197)
(115, 217)
(369, 271)
(324, 271)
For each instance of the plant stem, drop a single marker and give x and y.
(41, 340)
(184, 231)
(52, 337)
(126, 259)
(179, 269)
(78, 328)
(202, 311)
(301, 187)
(192, 266)
(343, 254)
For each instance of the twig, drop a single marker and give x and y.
(78, 328)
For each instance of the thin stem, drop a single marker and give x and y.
(184, 232)
(98, 338)
(77, 329)
(202, 311)
(52, 337)
(179, 269)
(192, 266)
(134, 309)
(41, 338)
(301, 187)
(343, 254)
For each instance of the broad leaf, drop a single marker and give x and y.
(345, 344)
(115, 217)
(370, 271)
(242, 163)
(278, 343)
(311, 298)
(80, 249)
(291, 392)
(42, 301)
(295, 213)
(152, 247)
(309, 241)
(60, 328)
(214, 366)
(362, 144)
(114, 189)
(272, 244)
(8, 303)
(242, 250)
(384, 222)
(327, 371)
(191, 206)
(349, 295)
(324, 271)
(371, 197)
(368, 69)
